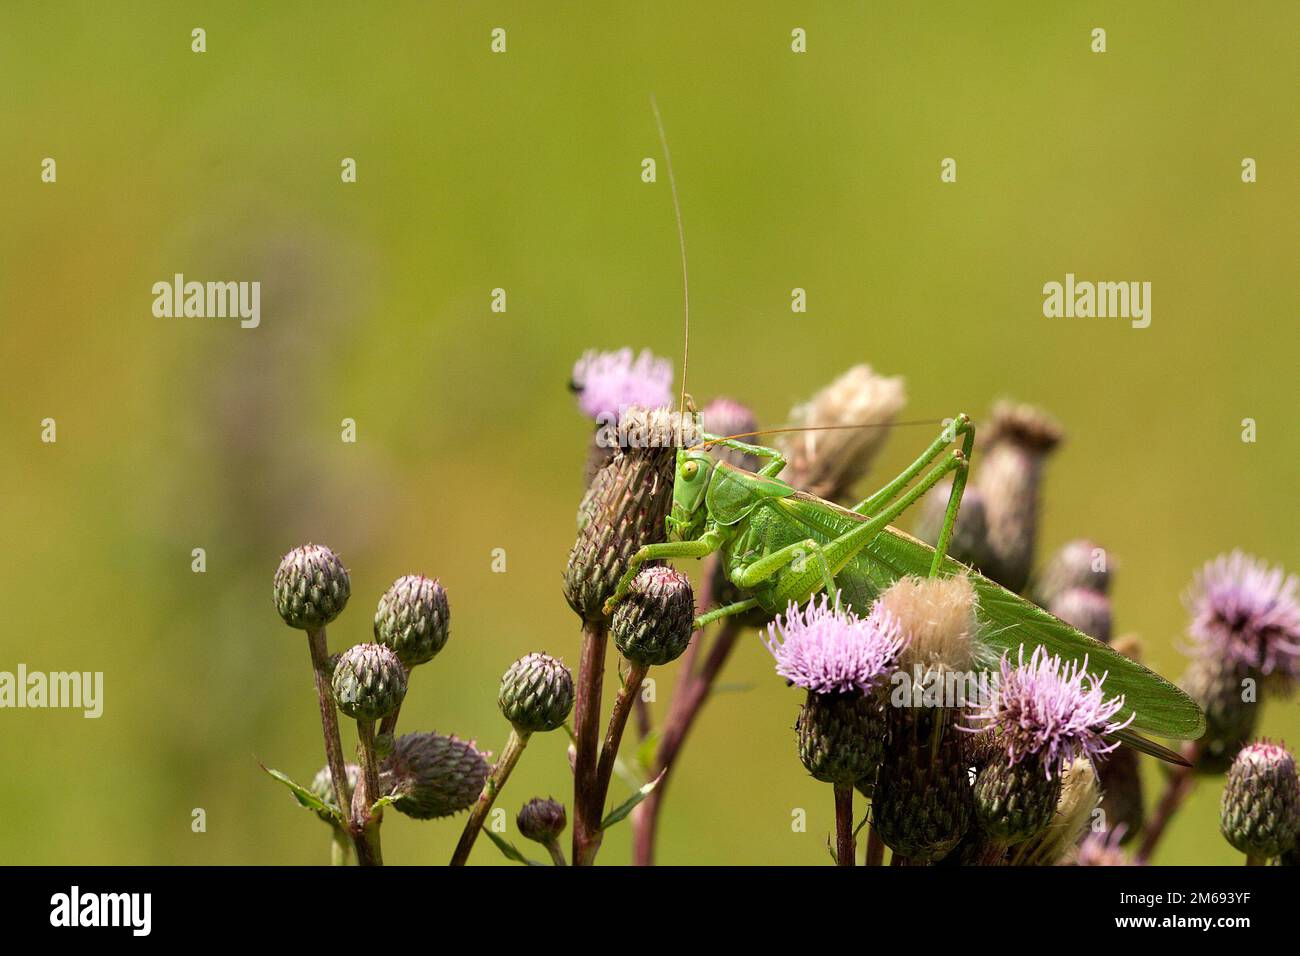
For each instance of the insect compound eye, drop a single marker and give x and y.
(690, 469)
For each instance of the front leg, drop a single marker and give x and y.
(706, 544)
(775, 460)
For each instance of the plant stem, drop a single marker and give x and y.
(845, 849)
(875, 847)
(627, 695)
(557, 854)
(688, 700)
(329, 720)
(495, 782)
(340, 847)
(586, 734)
(1255, 860)
(1180, 784)
(365, 822)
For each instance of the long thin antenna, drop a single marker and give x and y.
(681, 241)
(820, 428)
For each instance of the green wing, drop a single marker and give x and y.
(1008, 621)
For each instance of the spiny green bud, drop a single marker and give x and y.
(653, 624)
(322, 786)
(841, 736)
(1084, 610)
(625, 507)
(1260, 814)
(1016, 802)
(1079, 564)
(922, 805)
(413, 619)
(1218, 687)
(536, 693)
(311, 587)
(541, 821)
(433, 776)
(369, 682)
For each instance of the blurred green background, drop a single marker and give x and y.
(521, 171)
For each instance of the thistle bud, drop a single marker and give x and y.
(725, 417)
(1219, 688)
(311, 587)
(369, 682)
(433, 776)
(969, 543)
(413, 619)
(829, 463)
(322, 786)
(1074, 813)
(536, 693)
(1260, 813)
(1015, 802)
(841, 736)
(1016, 445)
(653, 624)
(922, 804)
(1085, 610)
(625, 507)
(541, 821)
(1079, 564)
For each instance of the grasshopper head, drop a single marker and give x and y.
(694, 469)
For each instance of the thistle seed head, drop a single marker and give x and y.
(608, 382)
(1017, 441)
(938, 620)
(625, 508)
(1085, 610)
(654, 623)
(1260, 813)
(829, 463)
(369, 682)
(413, 619)
(311, 587)
(433, 776)
(536, 693)
(541, 821)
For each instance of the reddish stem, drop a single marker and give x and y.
(586, 733)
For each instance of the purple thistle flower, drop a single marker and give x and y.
(829, 651)
(1101, 848)
(1051, 709)
(1246, 613)
(607, 382)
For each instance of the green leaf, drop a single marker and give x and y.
(509, 851)
(382, 802)
(305, 797)
(621, 812)
(1008, 621)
